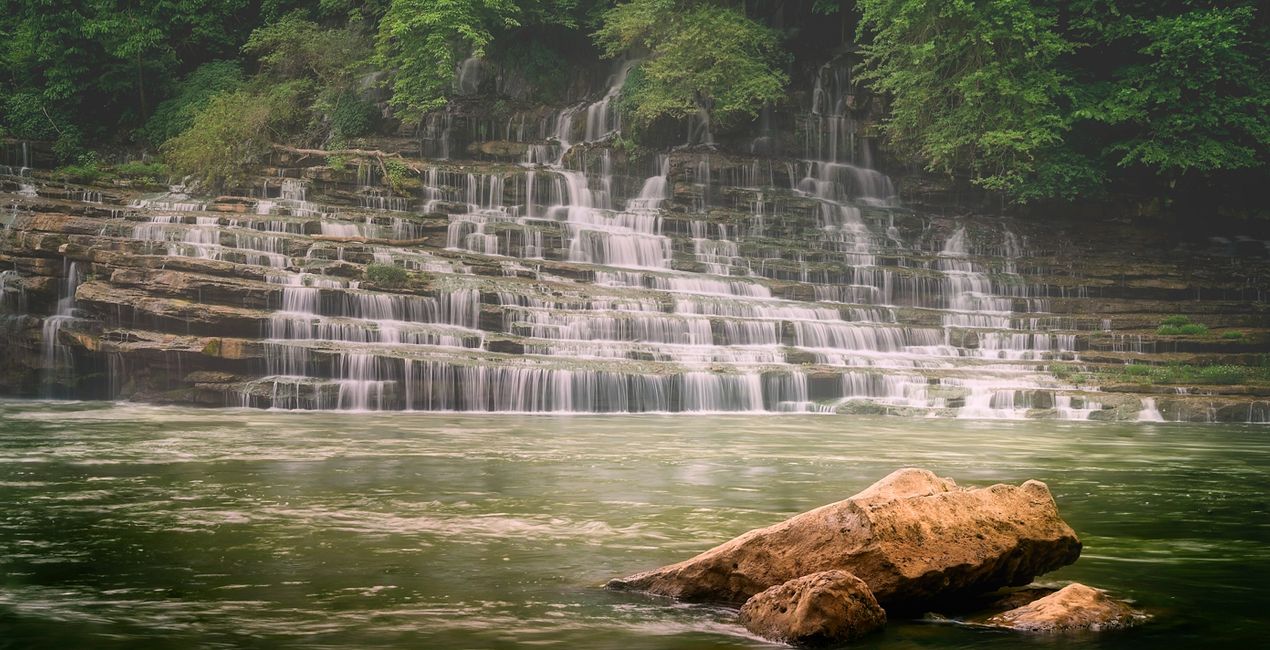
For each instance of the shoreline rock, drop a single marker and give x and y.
(915, 539)
(1074, 608)
(817, 609)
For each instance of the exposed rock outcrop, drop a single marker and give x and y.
(1074, 608)
(817, 609)
(913, 538)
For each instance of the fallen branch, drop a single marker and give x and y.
(376, 154)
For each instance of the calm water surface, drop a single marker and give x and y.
(129, 526)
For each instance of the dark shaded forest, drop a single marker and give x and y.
(1037, 101)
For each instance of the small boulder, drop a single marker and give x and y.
(914, 538)
(1074, 608)
(818, 609)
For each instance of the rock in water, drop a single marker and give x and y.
(913, 538)
(817, 609)
(1074, 608)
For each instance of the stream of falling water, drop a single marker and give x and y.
(823, 307)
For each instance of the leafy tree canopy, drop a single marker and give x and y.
(421, 41)
(974, 85)
(699, 57)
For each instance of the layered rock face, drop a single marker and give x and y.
(587, 277)
(913, 538)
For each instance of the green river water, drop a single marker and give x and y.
(128, 526)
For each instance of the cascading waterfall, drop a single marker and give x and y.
(601, 298)
(579, 200)
(56, 356)
(831, 168)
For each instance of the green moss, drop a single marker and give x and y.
(398, 174)
(1233, 335)
(387, 275)
(1178, 373)
(153, 172)
(1190, 329)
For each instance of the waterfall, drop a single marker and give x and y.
(580, 200)
(467, 76)
(832, 168)
(589, 278)
(56, 355)
(1149, 412)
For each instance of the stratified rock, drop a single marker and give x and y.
(1074, 608)
(913, 538)
(817, 609)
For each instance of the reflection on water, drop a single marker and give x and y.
(125, 525)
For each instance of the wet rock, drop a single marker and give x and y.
(817, 609)
(499, 149)
(505, 346)
(1074, 608)
(914, 538)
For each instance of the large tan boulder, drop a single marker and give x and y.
(913, 538)
(1074, 608)
(817, 609)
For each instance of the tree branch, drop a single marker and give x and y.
(375, 154)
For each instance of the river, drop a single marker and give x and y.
(124, 525)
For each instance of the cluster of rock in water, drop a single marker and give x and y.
(557, 272)
(912, 543)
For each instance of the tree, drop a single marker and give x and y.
(1179, 90)
(421, 41)
(96, 68)
(700, 58)
(974, 87)
(191, 94)
(232, 133)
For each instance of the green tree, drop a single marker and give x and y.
(1178, 89)
(332, 59)
(421, 41)
(974, 87)
(233, 132)
(700, 57)
(91, 69)
(191, 94)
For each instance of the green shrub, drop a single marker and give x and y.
(191, 95)
(1233, 335)
(1138, 370)
(387, 275)
(86, 169)
(1176, 320)
(154, 172)
(398, 172)
(1220, 374)
(352, 116)
(1190, 329)
(234, 131)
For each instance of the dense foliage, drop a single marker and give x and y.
(1035, 99)
(974, 84)
(1044, 99)
(701, 58)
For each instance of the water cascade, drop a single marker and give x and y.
(579, 277)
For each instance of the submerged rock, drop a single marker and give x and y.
(1074, 608)
(817, 609)
(914, 538)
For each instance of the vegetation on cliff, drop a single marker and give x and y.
(1047, 99)
(1037, 99)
